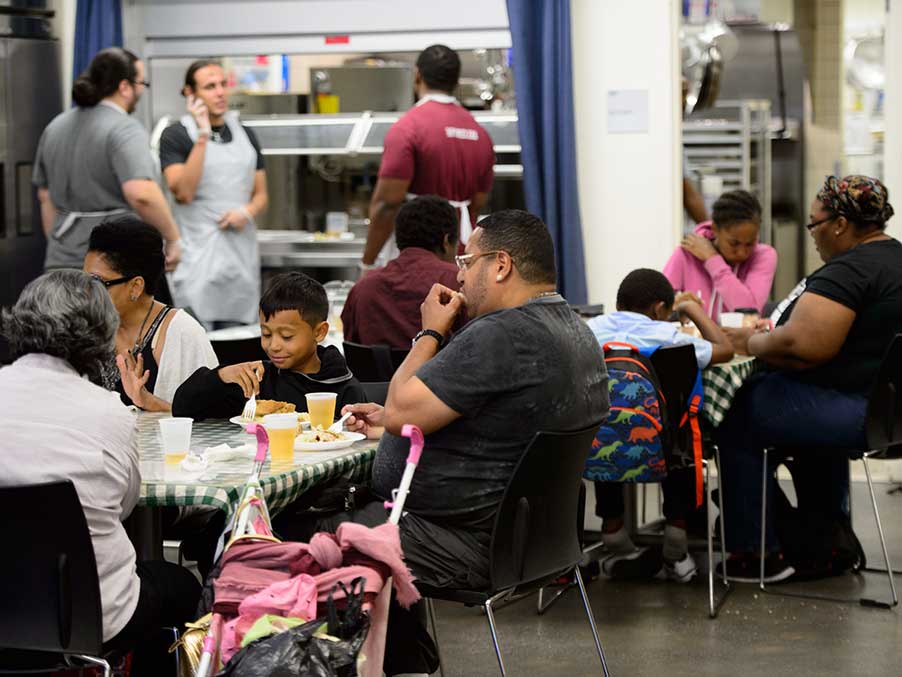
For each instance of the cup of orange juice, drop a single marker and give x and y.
(282, 429)
(321, 407)
(176, 435)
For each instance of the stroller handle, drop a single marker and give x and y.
(416, 442)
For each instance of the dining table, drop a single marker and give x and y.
(220, 484)
(721, 382)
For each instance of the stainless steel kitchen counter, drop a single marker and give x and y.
(301, 249)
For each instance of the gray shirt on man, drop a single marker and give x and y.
(83, 158)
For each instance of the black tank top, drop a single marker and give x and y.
(145, 348)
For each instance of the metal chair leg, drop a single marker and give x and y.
(723, 529)
(644, 488)
(99, 662)
(491, 617)
(430, 609)
(763, 551)
(889, 568)
(863, 601)
(175, 650)
(542, 606)
(714, 604)
(582, 592)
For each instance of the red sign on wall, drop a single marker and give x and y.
(338, 39)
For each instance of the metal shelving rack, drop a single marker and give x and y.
(733, 142)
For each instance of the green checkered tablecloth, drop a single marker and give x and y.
(221, 484)
(721, 381)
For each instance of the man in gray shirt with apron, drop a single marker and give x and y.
(214, 168)
(94, 161)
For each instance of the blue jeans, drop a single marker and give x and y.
(819, 426)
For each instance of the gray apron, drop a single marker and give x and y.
(70, 234)
(218, 277)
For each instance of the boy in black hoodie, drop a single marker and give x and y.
(293, 315)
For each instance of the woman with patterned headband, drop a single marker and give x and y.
(822, 360)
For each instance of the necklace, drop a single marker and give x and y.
(137, 347)
(543, 294)
(215, 136)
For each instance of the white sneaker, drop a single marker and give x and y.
(682, 571)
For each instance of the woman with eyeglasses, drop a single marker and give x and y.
(157, 346)
(820, 362)
(722, 265)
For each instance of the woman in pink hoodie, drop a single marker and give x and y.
(723, 261)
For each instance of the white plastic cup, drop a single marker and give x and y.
(321, 407)
(337, 222)
(732, 320)
(176, 436)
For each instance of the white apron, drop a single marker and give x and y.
(219, 274)
(390, 248)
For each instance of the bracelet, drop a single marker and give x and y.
(247, 215)
(428, 332)
(363, 267)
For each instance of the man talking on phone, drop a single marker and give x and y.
(214, 168)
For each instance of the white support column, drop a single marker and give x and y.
(892, 113)
(629, 182)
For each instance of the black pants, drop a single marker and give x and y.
(679, 496)
(168, 598)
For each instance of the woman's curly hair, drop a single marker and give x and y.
(67, 314)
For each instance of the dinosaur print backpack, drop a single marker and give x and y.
(630, 446)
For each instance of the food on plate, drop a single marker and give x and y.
(266, 407)
(317, 436)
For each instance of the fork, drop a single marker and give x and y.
(250, 409)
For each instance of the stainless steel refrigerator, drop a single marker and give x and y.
(30, 97)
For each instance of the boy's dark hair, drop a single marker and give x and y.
(526, 238)
(296, 291)
(424, 221)
(735, 206)
(101, 78)
(439, 67)
(191, 73)
(642, 289)
(131, 247)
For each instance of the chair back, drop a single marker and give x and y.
(373, 363)
(536, 535)
(238, 351)
(883, 420)
(677, 370)
(375, 391)
(48, 576)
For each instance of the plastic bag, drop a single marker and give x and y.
(326, 647)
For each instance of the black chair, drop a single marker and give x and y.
(588, 311)
(883, 433)
(376, 391)
(238, 351)
(49, 580)
(535, 538)
(677, 368)
(373, 363)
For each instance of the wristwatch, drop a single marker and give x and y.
(429, 332)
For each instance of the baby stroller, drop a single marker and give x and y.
(337, 583)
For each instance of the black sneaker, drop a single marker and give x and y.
(641, 564)
(746, 568)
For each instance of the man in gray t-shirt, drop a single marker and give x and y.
(524, 363)
(94, 161)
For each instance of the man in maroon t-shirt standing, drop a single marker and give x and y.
(436, 148)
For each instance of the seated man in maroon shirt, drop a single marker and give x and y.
(383, 308)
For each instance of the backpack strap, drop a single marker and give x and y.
(696, 400)
(613, 345)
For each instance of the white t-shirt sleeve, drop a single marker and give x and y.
(186, 350)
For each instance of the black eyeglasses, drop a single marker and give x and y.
(814, 224)
(111, 283)
(146, 83)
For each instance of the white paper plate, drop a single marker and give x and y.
(349, 439)
(237, 420)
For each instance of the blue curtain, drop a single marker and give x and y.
(542, 64)
(98, 25)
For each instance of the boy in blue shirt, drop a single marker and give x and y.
(645, 301)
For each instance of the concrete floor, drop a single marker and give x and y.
(659, 628)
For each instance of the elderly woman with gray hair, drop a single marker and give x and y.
(61, 334)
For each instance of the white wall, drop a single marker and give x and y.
(629, 184)
(892, 150)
